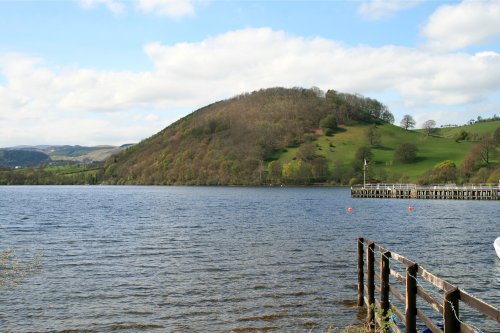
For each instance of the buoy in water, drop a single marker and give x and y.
(349, 209)
(410, 209)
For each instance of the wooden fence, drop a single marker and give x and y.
(448, 306)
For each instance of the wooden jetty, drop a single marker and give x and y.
(405, 288)
(412, 191)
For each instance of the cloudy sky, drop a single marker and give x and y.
(112, 72)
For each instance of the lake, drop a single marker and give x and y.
(222, 259)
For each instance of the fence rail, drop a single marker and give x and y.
(448, 307)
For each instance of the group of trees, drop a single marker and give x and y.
(91, 174)
(429, 126)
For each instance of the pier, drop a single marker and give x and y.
(412, 191)
(409, 296)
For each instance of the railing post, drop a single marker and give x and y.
(384, 289)
(361, 274)
(451, 313)
(371, 284)
(411, 298)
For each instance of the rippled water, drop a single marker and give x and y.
(221, 259)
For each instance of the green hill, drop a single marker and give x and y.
(275, 136)
(474, 131)
(14, 158)
(77, 154)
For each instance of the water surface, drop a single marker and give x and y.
(221, 259)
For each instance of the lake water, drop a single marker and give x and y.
(222, 259)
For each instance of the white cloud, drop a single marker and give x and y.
(378, 9)
(113, 5)
(454, 27)
(169, 8)
(186, 76)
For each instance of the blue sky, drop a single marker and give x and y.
(112, 72)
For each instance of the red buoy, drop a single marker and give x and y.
(410, 209)
(349, 209)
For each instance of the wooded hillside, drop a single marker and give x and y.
(232, 141)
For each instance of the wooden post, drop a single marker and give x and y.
(411, 298)
(384, 289)
(371, 284)
(361, 274)
(451, 313)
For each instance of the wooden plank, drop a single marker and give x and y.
(398, 276)
(464, 328)
(403, 260)
(480, 305)
(395, 327)
(380, 249)
(436, 281)
(398, 313)
(437, 306)
(428, 322)
(397, 294)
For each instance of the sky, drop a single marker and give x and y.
(94, 72)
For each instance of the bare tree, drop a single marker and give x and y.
(485, 149)
(429, 126)
(373, 136)
(407, 122)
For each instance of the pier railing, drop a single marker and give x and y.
(447, 305)
(381, 186)
(438, 191)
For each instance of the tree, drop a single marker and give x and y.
(363, 153)
(328, 124)
(387, 116)
(496, 135)
(406, 153)
(469, 165)
(407, 122)
(446, 171)
(274, 170)
(485, 149)
(373, 136)
(429, 126)
(297, 172)
(306, 152)
(319, 168)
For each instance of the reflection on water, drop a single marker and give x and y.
(189, 259)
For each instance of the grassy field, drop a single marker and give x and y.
(477, 128)
(342, 146)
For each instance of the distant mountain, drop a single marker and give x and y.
(79, 154)
(22, 158)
